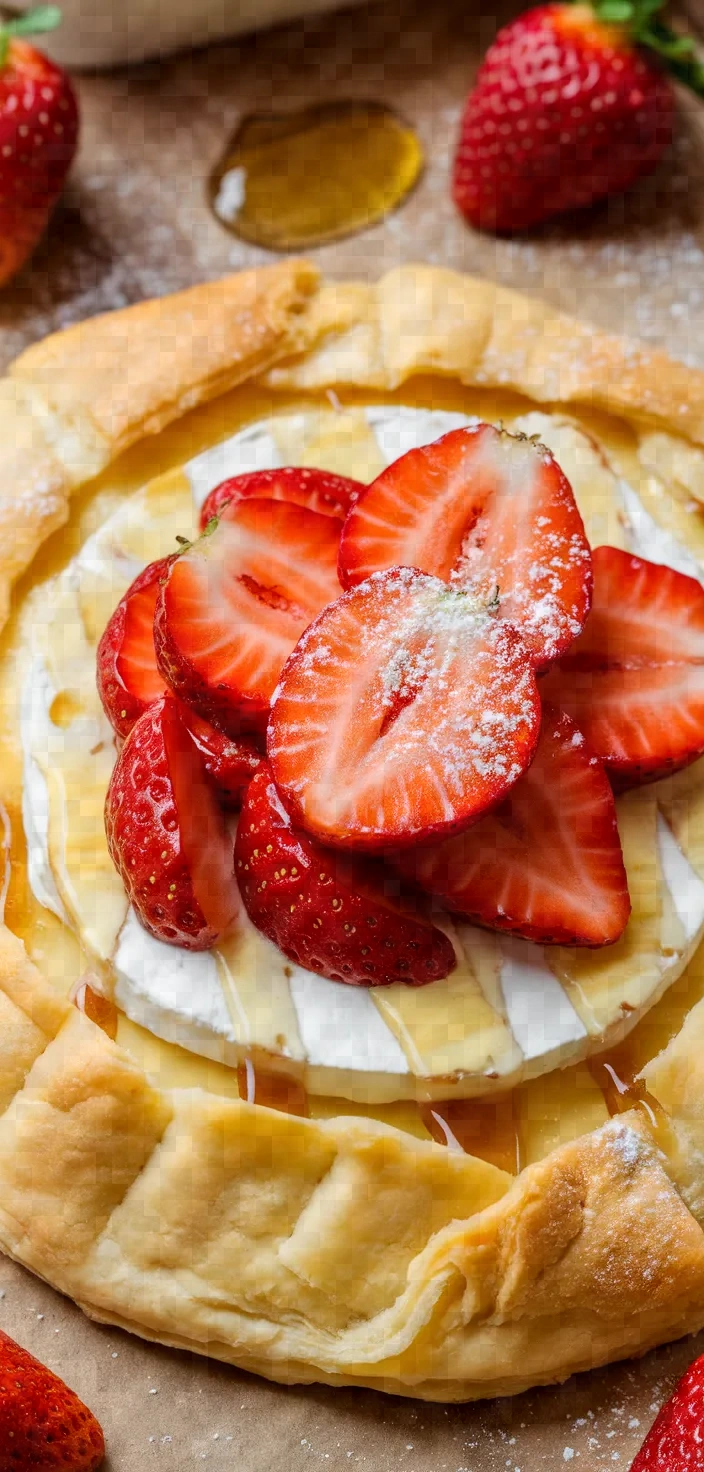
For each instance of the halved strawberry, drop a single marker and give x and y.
(634, 681)
(230, 761)
(405, 710)
(318, 490)
(127, 674)
(333, 914)
(235, 603)
(546, 863)
(489, 512)
(167, 836)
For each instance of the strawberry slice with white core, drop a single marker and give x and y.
(335, 914)
(236, 602)
(167, 836)
(634, 681)
(318, 490)
(405, 710)
(546, 863)
(489, 512)
(127, 674)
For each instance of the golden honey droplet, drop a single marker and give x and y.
(288, 181)
(65, 708)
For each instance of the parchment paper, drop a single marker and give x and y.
(134, 223)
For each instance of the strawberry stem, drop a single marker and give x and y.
(34, 23)
(643, 25)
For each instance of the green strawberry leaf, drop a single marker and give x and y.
(617, 11)
(642, 26)
(35, 22)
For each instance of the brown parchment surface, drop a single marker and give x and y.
(134, 223)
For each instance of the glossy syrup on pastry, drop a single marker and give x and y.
(260, 1083)
(488, 1128)
(288, 181)
(99, 1009)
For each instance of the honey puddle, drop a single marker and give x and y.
(292, 180)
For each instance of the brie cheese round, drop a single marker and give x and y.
(510, 1010)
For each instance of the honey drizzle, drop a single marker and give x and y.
(261, 1083)
(487, 1128)
(97, 1008)
(615, 1074)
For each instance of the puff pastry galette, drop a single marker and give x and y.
(466, 1158)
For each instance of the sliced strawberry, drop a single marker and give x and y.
(167, 836)
(317, 490)
(489, 512)
(406, 709)
(236, 602)
(230, 761)
(634, 681)
(546, 863)
(331, 913)
(127, 674)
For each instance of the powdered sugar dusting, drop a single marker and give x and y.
(428, 703)
(538, 561)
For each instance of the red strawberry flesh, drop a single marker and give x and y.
(317, 490)
(634, 681)
(675, 1442)
(488, 512)
(167, 836)
(44, 1427)
(235, 604)
(329, 912)
(546, 864)
(128, 678)
(405, 711)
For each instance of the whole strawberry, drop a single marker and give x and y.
(44, 1427)
(675, 1442)
(38, 136)
(572, 103)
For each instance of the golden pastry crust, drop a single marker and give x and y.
(213, 1224)
(220, 1226)
(422, 319)
(74, 402)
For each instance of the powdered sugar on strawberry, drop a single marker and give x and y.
(490, 513)
(422, 710)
